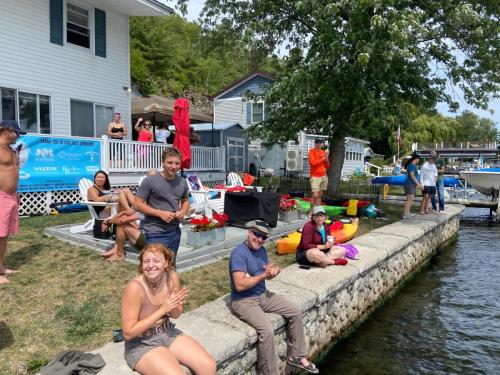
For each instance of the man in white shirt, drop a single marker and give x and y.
(428, 176)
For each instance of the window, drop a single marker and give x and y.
(28, 112)
(77, 26)
(103, 116)
(89, 119)
(8, 98)
(255, 113)
(82, 119)
(31, 110)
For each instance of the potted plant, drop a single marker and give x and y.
(288, 209)
(206, 230)
(220, 221)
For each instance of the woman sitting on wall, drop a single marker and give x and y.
(316, 246)
(152, 343)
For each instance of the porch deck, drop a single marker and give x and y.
(187, 256)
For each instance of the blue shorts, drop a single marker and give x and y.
(170, 238)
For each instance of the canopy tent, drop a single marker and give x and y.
(160, 109)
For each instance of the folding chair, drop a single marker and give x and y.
(234, 179)
(84, 186)
(201, 196)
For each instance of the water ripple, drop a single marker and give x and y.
(446, 321)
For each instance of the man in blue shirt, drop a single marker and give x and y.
(249, 269)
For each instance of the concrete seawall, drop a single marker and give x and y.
(333, 300)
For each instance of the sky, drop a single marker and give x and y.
(195, 7)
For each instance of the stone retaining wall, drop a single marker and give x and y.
(332, 299)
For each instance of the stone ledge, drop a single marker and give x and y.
(332, 299)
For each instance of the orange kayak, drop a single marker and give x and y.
(288, 244)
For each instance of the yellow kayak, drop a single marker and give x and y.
(288, 244)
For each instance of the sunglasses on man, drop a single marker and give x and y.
(259, 235)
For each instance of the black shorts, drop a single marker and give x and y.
(431, 190)
(410, 189)
(301, 258)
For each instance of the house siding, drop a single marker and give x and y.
(31, 63)
(229, 111)
(255, 85)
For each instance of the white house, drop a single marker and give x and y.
(231, 106)
(64, 65)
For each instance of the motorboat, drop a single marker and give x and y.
(486, 180)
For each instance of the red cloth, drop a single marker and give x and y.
(311, 237)
(248, 179)
(180, 119)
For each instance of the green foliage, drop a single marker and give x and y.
(354, 66)
(169, 56)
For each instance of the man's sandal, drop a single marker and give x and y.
(295, 362)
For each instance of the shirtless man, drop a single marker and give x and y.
(9, 202)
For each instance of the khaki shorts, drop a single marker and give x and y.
(319, 183)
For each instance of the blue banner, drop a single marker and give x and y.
(50, 163)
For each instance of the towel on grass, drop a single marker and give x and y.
(73, 362)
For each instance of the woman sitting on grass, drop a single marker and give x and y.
(316, 246)
(152, 343)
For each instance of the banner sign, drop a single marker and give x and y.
(53, 163)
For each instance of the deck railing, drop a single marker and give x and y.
(458, 145)
(130, 156)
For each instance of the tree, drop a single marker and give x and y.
(171, 56)
(353, 66)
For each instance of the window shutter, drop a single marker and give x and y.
(56, 22)
(100, 33)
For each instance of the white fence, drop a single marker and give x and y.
(128, 156)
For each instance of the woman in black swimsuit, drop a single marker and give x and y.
(116, 130)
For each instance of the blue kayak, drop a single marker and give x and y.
(400, 180)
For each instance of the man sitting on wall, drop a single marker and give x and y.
(250, 300)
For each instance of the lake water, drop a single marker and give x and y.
(445, 321)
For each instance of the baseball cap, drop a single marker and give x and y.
(318, 210)
(319, 140)
(433, 155)
(259, 225)
(12, 124)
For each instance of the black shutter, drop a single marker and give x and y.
(100, 33)
(56, 22)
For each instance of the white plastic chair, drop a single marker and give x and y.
(201, 196)
(233, 179)
(84, 186)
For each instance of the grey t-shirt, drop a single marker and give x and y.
(165, 195)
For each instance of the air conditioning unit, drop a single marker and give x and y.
(293, 160)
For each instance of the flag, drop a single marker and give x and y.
(398, 135)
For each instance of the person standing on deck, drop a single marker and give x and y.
(440, 166)
(9, 200)
(318, 165)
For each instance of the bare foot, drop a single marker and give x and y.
(3, 280)
(109, 253)
(7, 271)
(116, 258)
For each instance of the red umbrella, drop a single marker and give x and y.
(180, 119)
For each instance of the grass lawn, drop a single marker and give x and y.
(67, 297)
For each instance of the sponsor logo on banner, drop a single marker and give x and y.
(92, 169)
(92, 156)
(69, 156)
(44, 154)
(45, 169)
(71, 170)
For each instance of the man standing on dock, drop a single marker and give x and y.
(318, 165)
(439, 186)
(249, 269)
(9, 200)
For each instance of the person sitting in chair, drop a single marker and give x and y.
(316, 247)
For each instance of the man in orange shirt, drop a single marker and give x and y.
(318, 163)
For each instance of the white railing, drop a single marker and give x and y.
(447, 145)
(130, 156)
